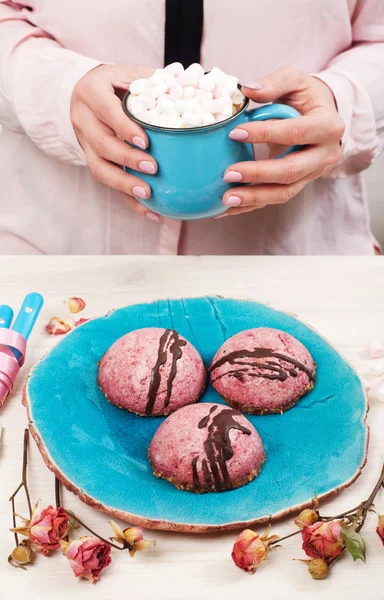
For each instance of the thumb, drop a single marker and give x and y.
(279, 83)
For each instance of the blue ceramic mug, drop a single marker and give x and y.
(189, 183)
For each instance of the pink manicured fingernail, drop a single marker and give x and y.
(232, 177)
(253, 85)
(147, 167)
(139, 142)
(232, 201)
(153, 217)
(139, 192)
(221, 216)
(239, 135)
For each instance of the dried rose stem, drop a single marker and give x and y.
(72, 514)
(23, 484)
(363, 506)
(57, 492)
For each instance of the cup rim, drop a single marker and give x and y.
(181, 129)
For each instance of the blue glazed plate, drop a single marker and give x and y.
(100, 451)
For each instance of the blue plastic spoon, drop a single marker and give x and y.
(28, 313)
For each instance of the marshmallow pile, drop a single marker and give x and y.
(374, 384)
(174, 97)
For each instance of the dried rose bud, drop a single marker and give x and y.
(307, 517)
(45, 528)
(249, 551)
(324, 539)
(76, 305)
(318, 568)
(57, 326)
(132, 538)
(380, 528)
(88, 556)
(22, 555)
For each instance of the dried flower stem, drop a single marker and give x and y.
(23, 484)
(71, 514)
(57, 492)
(361, 508)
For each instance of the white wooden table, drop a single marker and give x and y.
(343, 298)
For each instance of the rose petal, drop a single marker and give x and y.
(57, 326)
(76, 304)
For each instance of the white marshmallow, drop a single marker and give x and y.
(376, 369)
(158, 90)
(157, 77)
(227, 112)
(189, 77)
(153, 113)
(176, 92)
(232, 83)
(379, 392)
(148, 102)
(221, 91)
(207, 83)
(174, 121)
(218, 75)
(207, 119)
(208, 106)
(137, 86)
(191, 120)
(238, 97)
(375, 349)
(174, 68)
(169, 80)
(189, 92)
(165, 105)
(135, 104)
(190, 106)
(143, 116)
(197, 68)
(203, 96)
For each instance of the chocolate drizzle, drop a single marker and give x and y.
(169, 341)
(204, 421)
(257, 369)
(218, 448)
(195, 474)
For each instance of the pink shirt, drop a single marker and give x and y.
(49, 202)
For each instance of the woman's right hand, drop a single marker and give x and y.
(101, 126)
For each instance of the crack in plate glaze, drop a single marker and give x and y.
(322, 448)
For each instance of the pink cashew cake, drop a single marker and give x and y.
(262, 371)
(206, 448)
(152, 372)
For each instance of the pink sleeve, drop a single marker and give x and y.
(37, 77)
(356, 78)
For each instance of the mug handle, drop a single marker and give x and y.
(274, 111)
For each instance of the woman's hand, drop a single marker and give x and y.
(100, 125)
(320, 128)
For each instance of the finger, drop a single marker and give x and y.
(99, 96)
(323, 127)
(287, 170)
(238, 211)
(261, 195)
(140, 209)
(279, 83)
(104, 143)
(111, 175)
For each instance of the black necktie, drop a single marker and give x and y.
(183, 31)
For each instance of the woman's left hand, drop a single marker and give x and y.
(320, 128)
